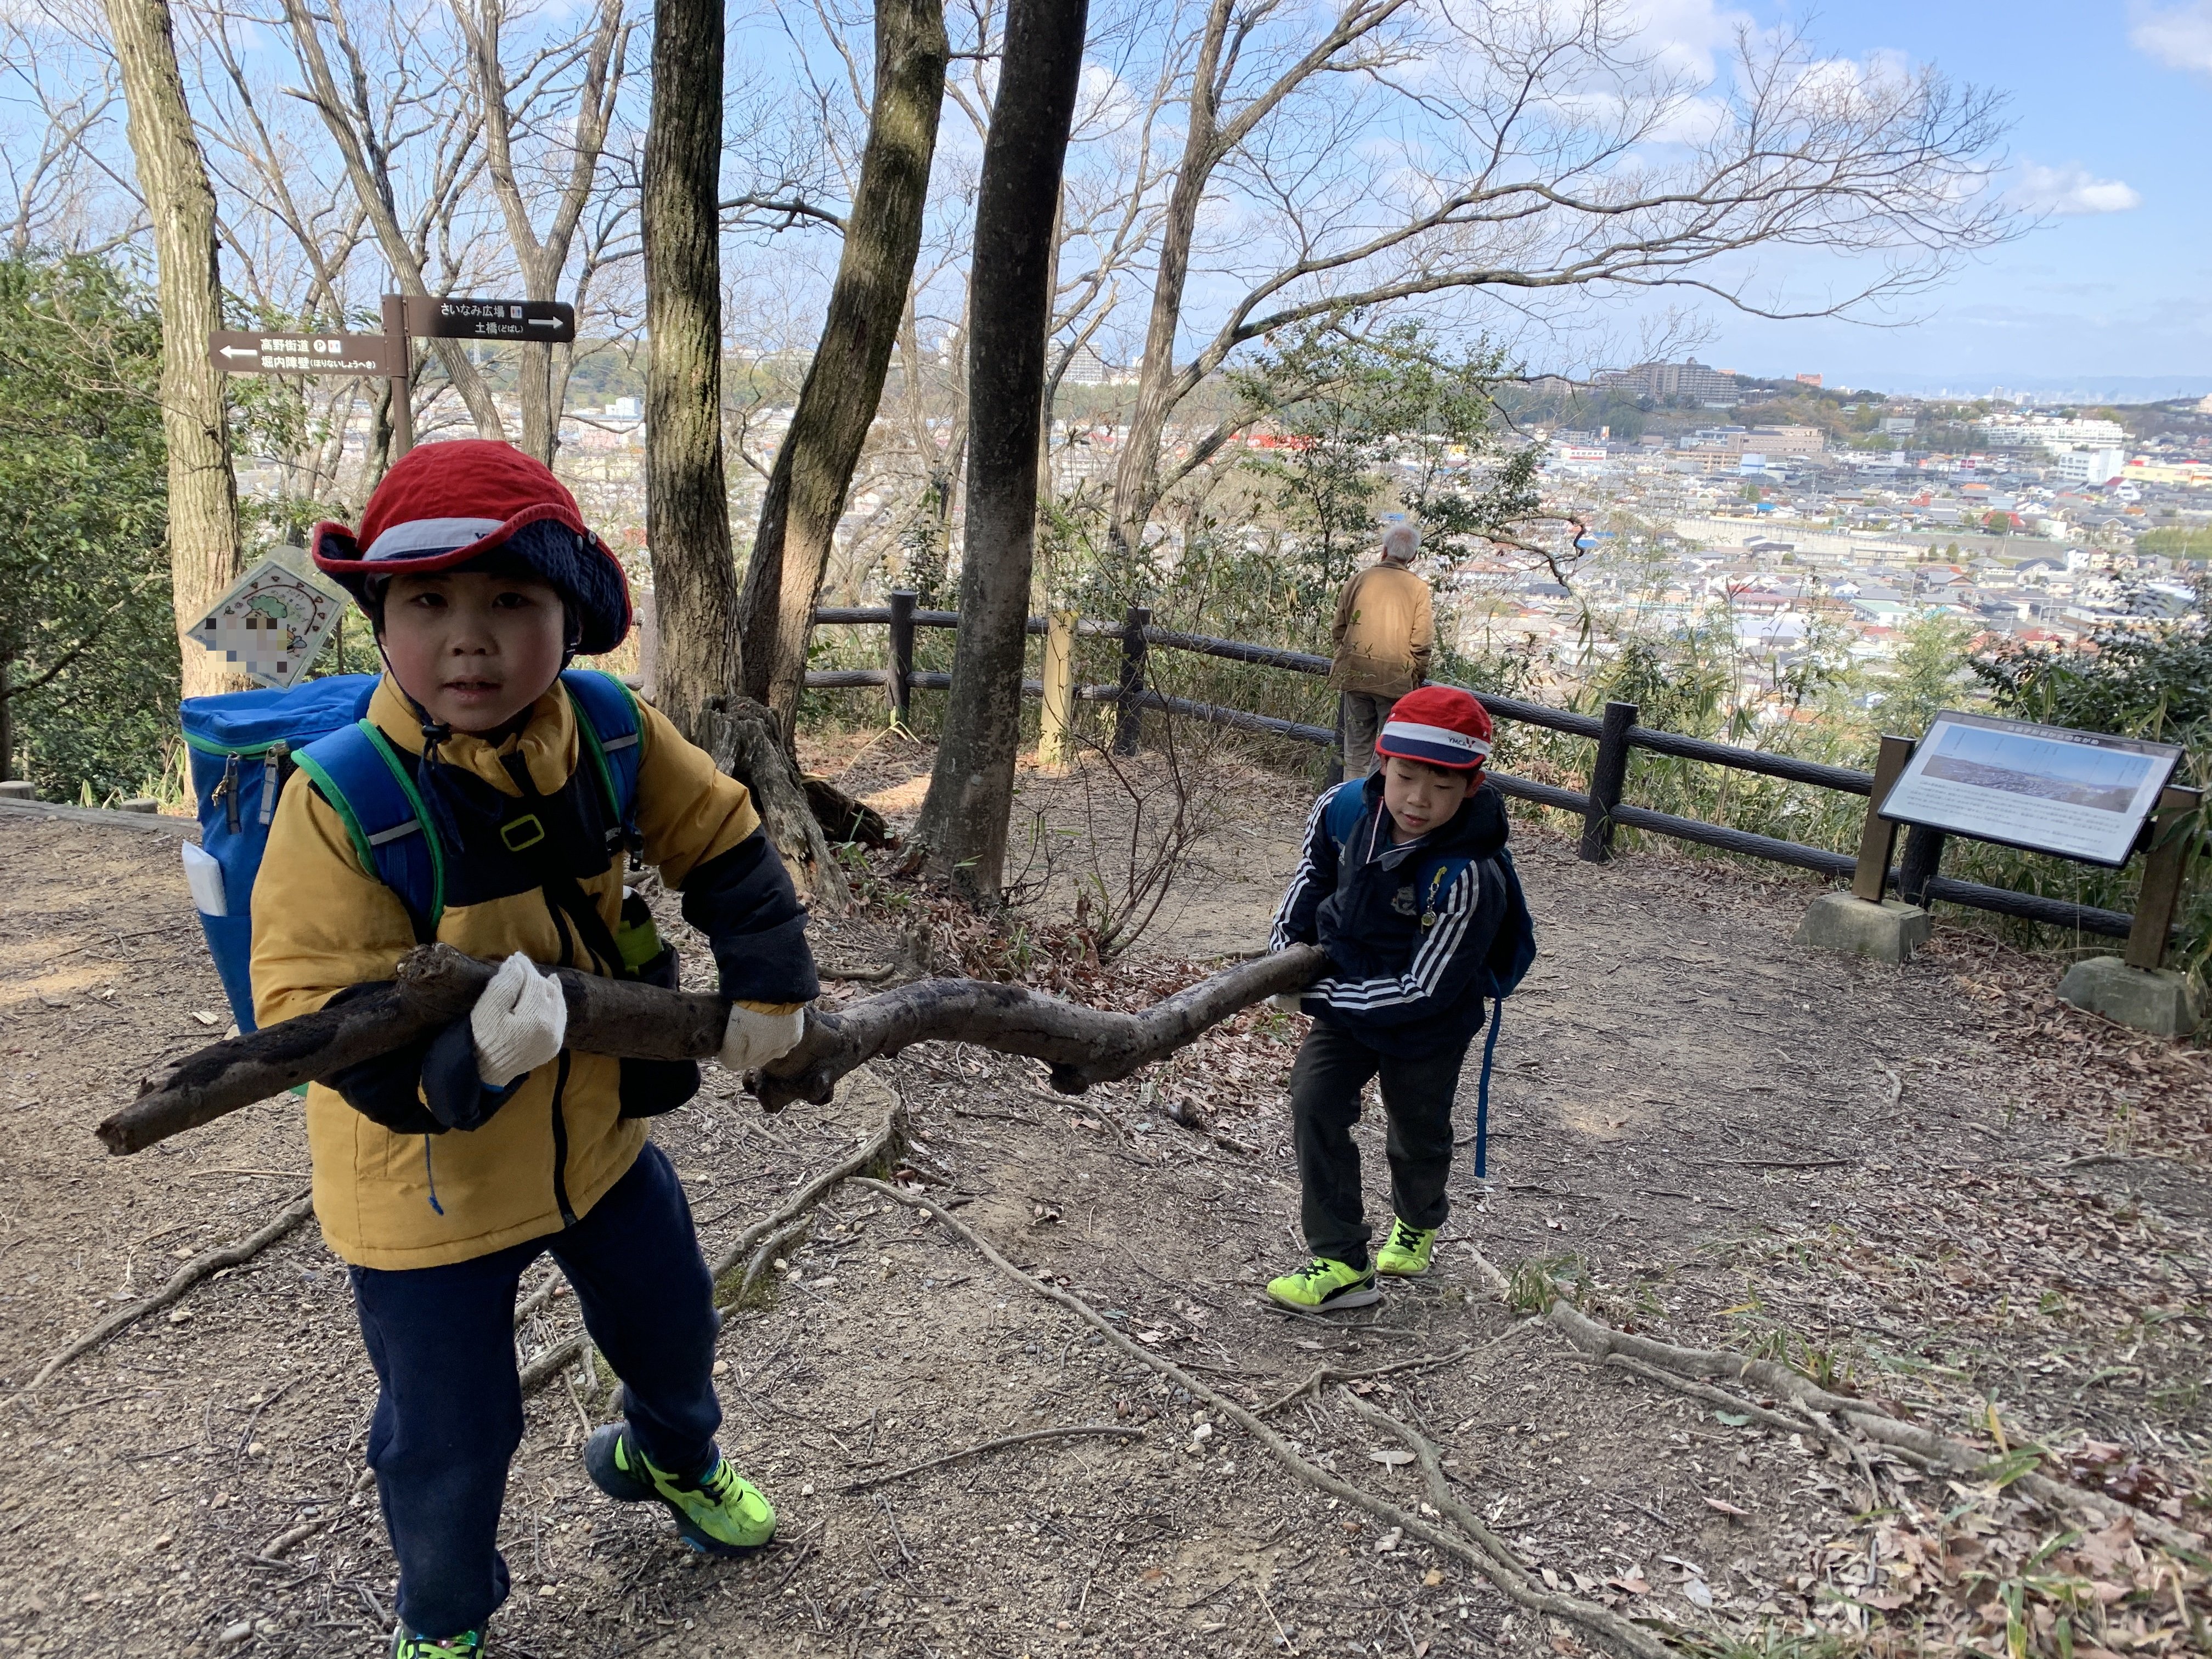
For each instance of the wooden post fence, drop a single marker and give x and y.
(902, 663)
(1129, 708)
(1608, 776)
(1601, 810)
(1056, 737)
(1878, 840)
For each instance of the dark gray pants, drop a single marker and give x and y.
(1332, 1068)
(1365, 715)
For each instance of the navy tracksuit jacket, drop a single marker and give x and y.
(1416, 935)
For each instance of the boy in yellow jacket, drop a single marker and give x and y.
(443, 1170)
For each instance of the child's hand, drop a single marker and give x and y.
(754, 1037)
(1287, 1001)
(519, 1022)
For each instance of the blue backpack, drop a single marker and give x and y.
(245, 744)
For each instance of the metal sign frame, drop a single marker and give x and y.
(2030, 786)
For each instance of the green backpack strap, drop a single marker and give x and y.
(357, 771)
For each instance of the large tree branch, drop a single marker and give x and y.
(436, 985)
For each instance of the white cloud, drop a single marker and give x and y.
(2071, 189)
(2180, 37)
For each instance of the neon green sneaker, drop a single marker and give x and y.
(721, 1513)
(405, 1644)
(1324, 1286)
(1405, 1253)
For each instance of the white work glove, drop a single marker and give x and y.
(753, 1038)
(1287, 1001)
(519, 1022)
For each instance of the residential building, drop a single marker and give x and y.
(1691, 382)
(2090, 464)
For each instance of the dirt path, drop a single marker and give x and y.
(1877, 1173)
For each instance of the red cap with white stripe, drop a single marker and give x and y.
(1438, 725)
(443, 505)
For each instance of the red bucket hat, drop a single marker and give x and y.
(444, 505)
(1438, 725)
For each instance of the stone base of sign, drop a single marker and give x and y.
(2158, 1000)
(1888, 932)
(19, 789)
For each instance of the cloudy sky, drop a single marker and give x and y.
(2111, 104)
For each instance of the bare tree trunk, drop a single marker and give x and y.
(204, 558)
(353, 128)
(813, 470)
(1136, 473)
(687, 506)
(544, 258)
(1207, 141)
(747, 742)
(963, 829)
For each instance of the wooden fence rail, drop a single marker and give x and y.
(1616, 733)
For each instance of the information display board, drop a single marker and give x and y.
(273, 625)
(2041, 788)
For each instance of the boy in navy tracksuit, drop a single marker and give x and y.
(1407, 884)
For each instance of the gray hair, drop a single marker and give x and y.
(1400, 542)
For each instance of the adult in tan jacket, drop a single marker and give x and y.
(1384, 630)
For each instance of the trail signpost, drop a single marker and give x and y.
(548, 322)
(389, 356)
(366, 356)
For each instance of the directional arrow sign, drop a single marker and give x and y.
(365, 355)
(547, 320)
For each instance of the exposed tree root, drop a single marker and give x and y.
(1498, 1561)
(1703, 1391)
(212, 1261)
(879, 1151)
(1324, 1375)
(1116, 1430)
(1606, 1626)
(1603, 1343)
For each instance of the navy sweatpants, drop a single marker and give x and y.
(449, 1404)
(1326, 1081)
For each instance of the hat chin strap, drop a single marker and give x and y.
(435, 732)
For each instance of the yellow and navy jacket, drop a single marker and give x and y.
(1417, 934)
(394, 1189)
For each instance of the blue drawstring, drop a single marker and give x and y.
(1482, 1093)
(430, 1175)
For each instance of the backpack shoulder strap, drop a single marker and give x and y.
(1341, 815)
(611, 732)
(357, 772)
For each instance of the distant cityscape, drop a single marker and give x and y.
(2033, 525)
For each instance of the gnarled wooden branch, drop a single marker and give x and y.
(437, 984)
(1083, 1046)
